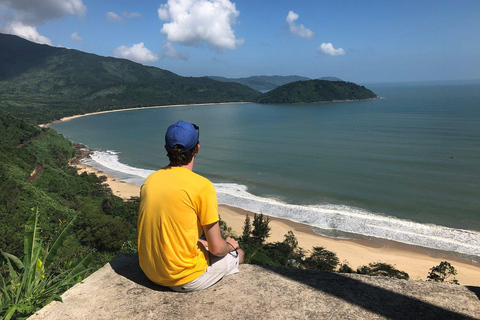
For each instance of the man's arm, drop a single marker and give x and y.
(216, 244)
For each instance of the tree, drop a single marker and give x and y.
(291, 240)
(382, 269)
(321, 259)
(261, 229)
(442, 272)
(247, 230)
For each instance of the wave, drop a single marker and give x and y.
(326, 217)
(354, 220)
(109, 162)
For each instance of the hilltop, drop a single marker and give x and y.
(120, 290)
(267, 83)
(43, 83)
(316, 91)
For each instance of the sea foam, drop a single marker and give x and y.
(326, 217)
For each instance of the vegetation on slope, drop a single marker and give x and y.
(262, 83)
(34, 173)
(267, 83)
(316, 91)
(42, 83)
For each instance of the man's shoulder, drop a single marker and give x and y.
(179, 173)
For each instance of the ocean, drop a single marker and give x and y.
(405, 167)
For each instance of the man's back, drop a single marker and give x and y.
(175, 203)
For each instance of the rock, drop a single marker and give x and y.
(120, 290)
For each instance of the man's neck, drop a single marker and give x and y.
(188, 166)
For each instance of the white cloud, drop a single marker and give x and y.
(298, 30)
(75, 36)
(193, 22)
(131, 15)
(35, 13)
(21, 17)
(327, 48)
(112, 16)
(170, 52)
(26, 32)
(138, 53)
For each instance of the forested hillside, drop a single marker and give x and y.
(262, 83)
(42, 83)
(34, 173)
(267, 83)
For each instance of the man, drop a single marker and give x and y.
(176, 207)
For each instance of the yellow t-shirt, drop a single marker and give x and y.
(174, 204)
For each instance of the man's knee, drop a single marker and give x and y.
(241, 255)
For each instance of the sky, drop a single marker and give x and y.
(358, 41)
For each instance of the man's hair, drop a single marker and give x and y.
(180, 157)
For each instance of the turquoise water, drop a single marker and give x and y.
(405, 167)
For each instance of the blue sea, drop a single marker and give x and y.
(405, 167)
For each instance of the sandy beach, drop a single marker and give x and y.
(416, 261)
(137, 108)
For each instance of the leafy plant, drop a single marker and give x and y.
(31, 283)
(442, 272)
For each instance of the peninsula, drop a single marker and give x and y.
(316, 91)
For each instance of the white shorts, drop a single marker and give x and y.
(218, 268)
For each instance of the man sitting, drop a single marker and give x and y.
(176, 207)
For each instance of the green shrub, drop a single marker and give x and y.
(321, 259)
(345, 268)
(382, 269)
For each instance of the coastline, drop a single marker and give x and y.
(136, 108)
(416, 261)
(43, 125)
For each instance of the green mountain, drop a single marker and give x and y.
(316, 91)
(43, 83)
(262, 83)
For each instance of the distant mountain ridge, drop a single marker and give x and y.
(267, 83)
(316, 91)
(43, 83)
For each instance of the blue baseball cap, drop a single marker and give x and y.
(182, 133)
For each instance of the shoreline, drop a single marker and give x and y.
(43, 125)
(68, 118)
(416, 261)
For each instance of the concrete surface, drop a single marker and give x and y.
(119, 290)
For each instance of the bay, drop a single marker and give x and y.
(409, 161)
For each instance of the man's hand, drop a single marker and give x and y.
(232, 242)
(203, 242)
(216, 244)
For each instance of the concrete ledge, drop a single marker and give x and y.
(119, 290)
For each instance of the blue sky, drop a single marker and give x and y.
(359, 41)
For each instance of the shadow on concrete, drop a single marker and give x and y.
(384, 302)
(375, 299)
(475, 290)
(127, 266)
